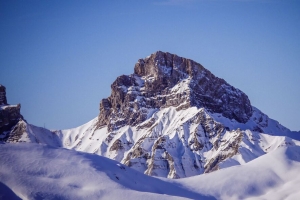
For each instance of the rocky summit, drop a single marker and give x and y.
(163, 80)
(170, 118)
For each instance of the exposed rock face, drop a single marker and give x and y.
(3, 100)
(179, 153)
(163, 80)
(9, 114)
(17, 132)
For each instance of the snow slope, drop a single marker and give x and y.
(35, 171)
(273, 176)
(181, 143)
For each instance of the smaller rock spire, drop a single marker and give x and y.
(3, 100)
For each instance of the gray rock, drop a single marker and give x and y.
(152, 87)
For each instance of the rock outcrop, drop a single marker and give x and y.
(163, 80)
(9, 114)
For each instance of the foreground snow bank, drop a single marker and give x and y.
(275, 175)
(33, 171)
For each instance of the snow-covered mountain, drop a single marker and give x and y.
(171, 118)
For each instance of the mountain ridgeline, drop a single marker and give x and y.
(170, 118)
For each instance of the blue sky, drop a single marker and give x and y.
(59, 58)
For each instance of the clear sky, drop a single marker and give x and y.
(59, 58)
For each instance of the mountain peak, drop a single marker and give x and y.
(163, 80)
(162, 63)
(170, 118)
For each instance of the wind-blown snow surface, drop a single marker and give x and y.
(273, 176)
(35, 171)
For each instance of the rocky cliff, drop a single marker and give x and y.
(163, 80)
